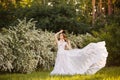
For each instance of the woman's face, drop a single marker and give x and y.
(61, 36)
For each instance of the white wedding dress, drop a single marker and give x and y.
(87, 60)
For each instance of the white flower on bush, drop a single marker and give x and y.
(23, 48)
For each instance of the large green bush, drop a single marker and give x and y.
(52, 18)
(81, 40)
(61, 16)
(23, 48)
(111, 34)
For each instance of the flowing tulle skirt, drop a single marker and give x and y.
(87, 60)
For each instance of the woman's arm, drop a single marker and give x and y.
(69, 45)
(56, 35)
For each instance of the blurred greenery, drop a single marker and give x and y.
(74, 16)
(111, 33)
(24, 49)
(51, 18)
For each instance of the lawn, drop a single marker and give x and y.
(108, 73)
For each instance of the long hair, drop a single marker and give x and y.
(66, 40)
(64, 35)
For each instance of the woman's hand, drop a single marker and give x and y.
(56, 35)
(60, 31)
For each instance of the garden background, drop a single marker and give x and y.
(27, 29)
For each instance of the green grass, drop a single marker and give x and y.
(108, 73)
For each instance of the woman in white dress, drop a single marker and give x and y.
(87, 60)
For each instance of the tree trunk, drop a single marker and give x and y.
(109, 7)
(93, 12)
(100, 1)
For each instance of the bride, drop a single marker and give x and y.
(87, 60)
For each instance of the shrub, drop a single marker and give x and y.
(81, 40)
(23, 48)
(111, 33)
(50, 18)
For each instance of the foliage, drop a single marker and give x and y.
(49, 17)
(108, 29)
(111, 33)
(71, 15)
(80, 41)
(108, 73)
(54, 18)
(23, 48)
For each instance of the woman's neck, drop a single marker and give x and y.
(62, 40)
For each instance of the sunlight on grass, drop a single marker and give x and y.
(109, 73)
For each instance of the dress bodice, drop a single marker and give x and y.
(61, 45)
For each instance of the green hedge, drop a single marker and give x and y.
(23, 48)
(61, 16)
(111, 34)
